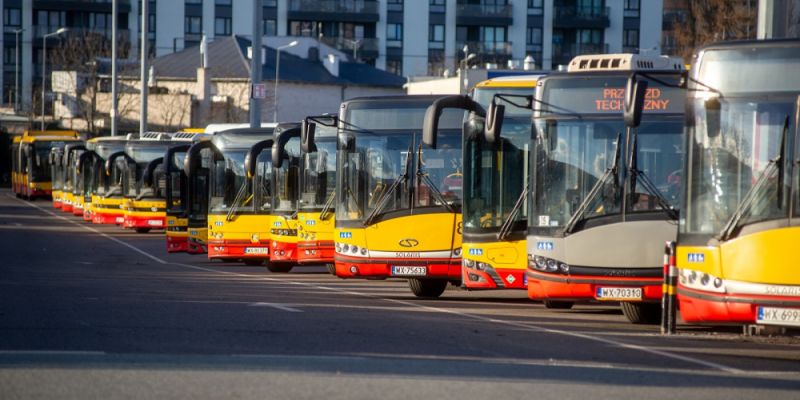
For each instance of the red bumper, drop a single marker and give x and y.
(57, 204)
(130, 221)
(543, 286)
(700, 306)
(237, 250)
(309, 252)
(38, 193)
(107, 219)
(66, 207)
(347, 267)
(77, 211)
(283, 252)
(498, 278)
(196, 247)
(87, 215)
(177, 244)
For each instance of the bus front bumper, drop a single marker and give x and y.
(177, 241)
(367, 268)
(195, 246)
(134, 221)
(698, 306)
(106, 218)
(315, 251)
(493, 278)
(222, 249)
(283, 251)
(552, 286)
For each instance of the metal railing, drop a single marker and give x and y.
(484, 10)
(562, 54)
(495, 48)
(348, 44)
(335, 6)
(582, 13)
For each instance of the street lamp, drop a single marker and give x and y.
(277, 69)
(44, 64)
(464, 67)
(16, 70)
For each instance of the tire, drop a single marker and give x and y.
(642, 313)
(253, 262)
(428, 288)
(142, 230)
(558, 305)
(331, 268)
(280, 268)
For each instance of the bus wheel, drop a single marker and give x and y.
(253, 262)
(642, 313)
(279, 267)
(142, 230)
(558, 305)
(427, 287)
(331, 268)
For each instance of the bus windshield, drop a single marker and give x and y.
(199, 189)
(40, 167)
(262, 183)
(176, 195)
(229, 184)
(495, 175)
(484, 95)
(287, 179)
(319, 175)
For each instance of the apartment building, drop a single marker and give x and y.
(405, 37)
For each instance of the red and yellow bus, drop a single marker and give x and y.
(144, 206)
(285, 182)
(31, 171)
(175, 190)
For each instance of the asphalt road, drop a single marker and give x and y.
(91, 311)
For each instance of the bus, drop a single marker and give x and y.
(494, 184)
(107, 203)
(315, 207)
(196, 167)
(175, 191)
(236, 215)
(285, 181)
(15, 167)
(398, 205)
(143, 203)
(735, 250)
(72, 152)
(57, 175)
(33, 170)
(605, 192)
(91, 166)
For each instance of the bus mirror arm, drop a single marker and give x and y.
(252, 156)
(430, 126)
(494, 121)
(635, 93)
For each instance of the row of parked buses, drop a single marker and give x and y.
(567, 185)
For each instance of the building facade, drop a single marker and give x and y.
(406, 37)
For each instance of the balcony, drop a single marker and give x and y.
(483, 14)
(563, 54)
(364, 48)
(580, 17)
(40, 30)
(334, 10)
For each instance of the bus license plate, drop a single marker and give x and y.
(778, 316)
(402, 270)
(618, 293)
(155, 222)
(256, 250)
(120, 220)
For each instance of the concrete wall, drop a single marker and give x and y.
(650, 16)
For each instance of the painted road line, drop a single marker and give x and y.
(275, 305)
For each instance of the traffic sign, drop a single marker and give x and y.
(259, 91)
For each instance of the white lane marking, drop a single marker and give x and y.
(52, 352)
(275, 305)
(692, 360)
(90, 229)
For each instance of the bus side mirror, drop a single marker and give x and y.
(713, 109)
(277, 156)
(430, 126)
(494, 121)
(307, 130)
(634, 102)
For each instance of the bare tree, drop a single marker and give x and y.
(709, 21)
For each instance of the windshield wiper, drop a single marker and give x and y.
(648, 185)
(327, 208)
(612, 170)
(505, 229)
(236, 201)
(421, 175)
(385, 197)
(776, 164)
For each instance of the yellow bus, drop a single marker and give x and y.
(494, 185)
(236, 210)
(736, 251)
(91, 166)
(32, 167)
(315, 213)
(107, 202)
(72, 152)
(144, 206)
(285, 182)
(175, 191)
(398, 205)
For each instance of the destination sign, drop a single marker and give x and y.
(606, 95)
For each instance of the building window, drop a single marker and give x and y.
(193, 25)
(222, 26)
(99, 20)
(270, 27)
(223, 2)
(630, 41)
(394, 35)
(435, 36)
(394, 66)
(394, 5)
(533, 36)
(194, 1)
(9, 55)
(12, 17)
(631, 8)
(437, 6)
(51, 18)
(535, 7)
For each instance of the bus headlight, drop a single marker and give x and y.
(338, 246)
(363, 251)
(354, 249)
(345, 248)
(552, 265)
(457, 252)
(701, 281)
(483, 266)
(469, 263)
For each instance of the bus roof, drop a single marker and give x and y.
(625, 62)
(64, 133)
(33, 139)
(242, 138)
(511, 81)
(214, 128)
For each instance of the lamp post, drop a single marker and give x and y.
(16, 70)
(277, 70)
(44, 64)
(464, 67)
